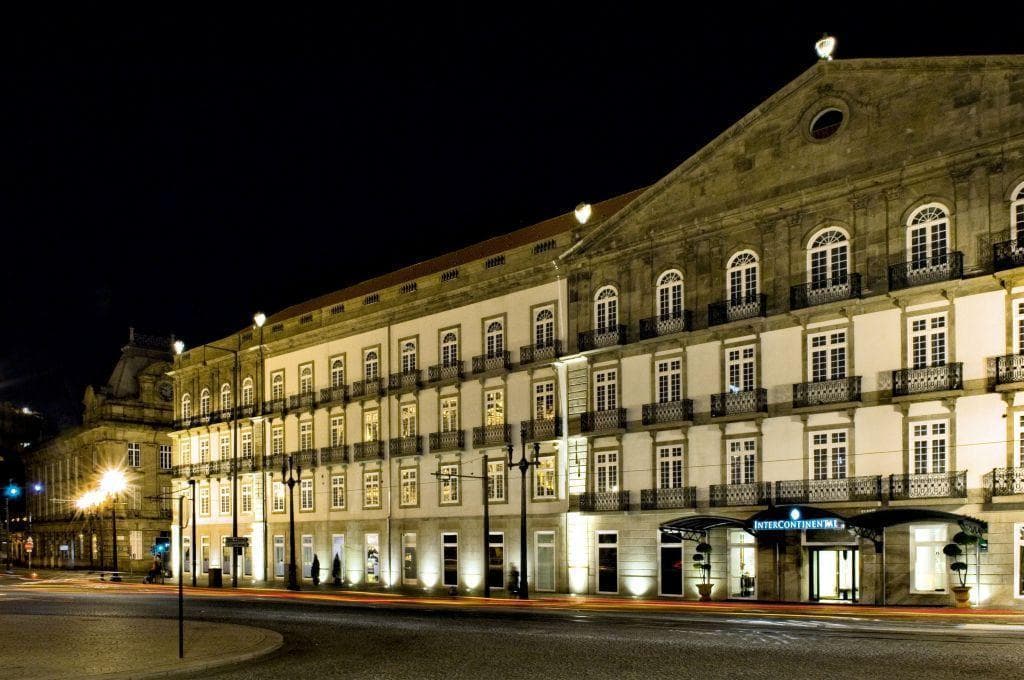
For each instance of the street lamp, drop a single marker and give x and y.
(524, 464)
(113, 483)
(291, 481)
(12, 491)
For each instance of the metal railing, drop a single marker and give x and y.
(334, 395)
(275, 405)
(453, 440)
(605, 337)
(334, 454)
(751, 493)
(739, 307)
(1008, 481)
(405, 446)
(665, 499)
(372, 387)
(529, 354)
(498, 361)
(1009, 369)
(492, 435)
(246, 463)
(930, 485)
(826, 392)
(182, 470)
(450, 371)
(373, 450)
(607, 501)
(541, 429)
(603, 421)
(666, 324)
(827, 290)
(304, 400)
(945, 377)
(922, 270)
(405, 380)
(307, 458)
(867, 488)
(735, 403)
(667, 412)
(1008, 254)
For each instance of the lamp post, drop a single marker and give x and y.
(291, 481)
(192, 521)
(524, 464)
(12, 491)
(111, 485)
(487, 518)
(259, 318)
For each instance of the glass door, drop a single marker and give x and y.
(373, 558)
(338, 553)
(545, 561)
(409, 558)
(607, 562)
(279, 556)
(834, 574)
(670, 564)
(742, 565)
(496, 560)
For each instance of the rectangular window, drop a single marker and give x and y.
(407, 420)
(607, 562)
(829, 454)
(134, 455)
(496, 481)
(607, 464)
(247, 444)
(338, 430)
(741, 368)
(410, 486)
(371, 426)
(307, 556)
(186, 452)
(742, 461)
(496, 559)
(544, 478)
(224, 447)
(1018, 544)
(225, 498)
(278, 497)
(165, 456)
(1018, 312)
(494, 407)
(306, 494)
(1019, 435)
(306, 435)
(371, 490)
(204, 501)
(928, 564)
(409, 558)
(670, 467)
(606, 390)
(827, 354)
(929, 442)
(449, 414)
(449, 484)
(204, 554)
(669, 377)
(246, 497)
(450, 560)
(338, 492)
(544, 400)
(928, 341)
(204, 450)
(373, 558)
(135, 544)
(545, 546)
(277, 440)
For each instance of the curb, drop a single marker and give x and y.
(199, 666)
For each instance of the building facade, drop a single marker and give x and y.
(819, 313)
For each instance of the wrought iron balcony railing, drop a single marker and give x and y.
(1008, 481)
(406, 380)
(666, 499)
(492, 435)
(739, 307)
(334, 454)
(221, 415)
(441, 372)
(246, 411)
(307, 458)
(607, 501)
(867, 488)
(529, 354)
(941, 378)
(182, 470)
(605, 337)
(1009, 369)
(304, 400)
(184, 423)
(498, 361)
(334, 395)
(273, 405)
(452, 440)
(372, 450)
(751, 493)
(931, 485)
(824, 291)
(246, 463)
(1008, 254)
(668, 412)
(826, 392)
(405, 446)
(737, 403)
(666, 324)
(920, 271)
(369, 388)
(603, 421)
(541, 429)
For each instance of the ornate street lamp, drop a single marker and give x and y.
(112, 484)
(291, 481)
(524, 464)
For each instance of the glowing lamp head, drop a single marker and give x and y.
(794, 514)
(113, 482)
(583, 212)
(37, 487)
(825, 47)
(13, 491)
(179, 346)
(88, 500)
(259, 319)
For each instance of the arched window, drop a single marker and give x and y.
(277, 386)
(449, 349)
(670, 295)
(337, 372)
(544, 328)
(928, 235)
(742, 284)
(225, 397)
(828, 258)
(186, 406)
(247, 392)
(408, 356)
(204, 402)
(1017, 213)
(494, 340)
(306, 379)
(606, 310)
(371, 365)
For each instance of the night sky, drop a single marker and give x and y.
(177, 173)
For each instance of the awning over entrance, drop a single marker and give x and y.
(696, 528)
(871, 525)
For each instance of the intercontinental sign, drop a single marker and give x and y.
(797, 523)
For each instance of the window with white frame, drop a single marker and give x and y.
(742, 461)
(337, 372)
(306, 435)
(828, 258)
(204, 501)
(670, 295)
(669, 380)
(449, 484)
(670, 467)
(204, 450)
(186, 406)
(225, 498)
(247, 392)
(928, 564)
(449, 349)
(410, 486)
(606, 310)
(606, 464)
(225, 397)
(247, 444)
(165, 456)
(1018, 324)
(408, 356)
(1017, 212)
(204, 402)
(185, 448)
(741, 368)
(494, 339)
(277, 440)
(826, 353)
(371, 489)
(606, 384)
(494, 407)
(449, 414)
(407, 419)
(1018, 458)
(371, 365)
(450, 560)
(306, 379)
(246, 496)
(371, 426)
(544, 327)
(544, 400)
(337, 423)
(134, 454)
(544, 476)
(277, 497)
(928, 235)
(224, 447)
(829, 454)
(277, 385)
(496, 481)
(742, 284)
(306, 494)
(337, 492)
(928, 340)
(929, 442)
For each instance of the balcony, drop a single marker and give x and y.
(931, 485)
(406, 380)
(333, 395)
(605, 337)
(372, 450)
(941, 378)
(550, 351)
(246, 411)
(824, 291)
(924, 270)
(273, 461)
(453, 440)
(405, 446)
(1008, 254)
(185, 423)
(445, 372)
(752, 493)
(541, 429)
(492, 435)
(846, 489)
(246, 463)
(667, 324)
(221, 416)
(608, 501)
(610, 420)
(367, 389)
(821, 392)
(498, 361)
(334, 454)
(668, 412)
(740, 307)
(1008, 481)
(275, 405)
(301, 401)
(739, 403)
(306, 458)
(668, 499)
(180, 471)
(1010, 369)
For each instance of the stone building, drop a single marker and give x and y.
(125, 426)
(800, 348)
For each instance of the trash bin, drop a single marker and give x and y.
(216, 577)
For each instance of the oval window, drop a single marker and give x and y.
(826, 123)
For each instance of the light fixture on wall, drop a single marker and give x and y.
(583, 212)
(825, 47)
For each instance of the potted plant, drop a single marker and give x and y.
(956, 552)
(702, 562)
(336, 570)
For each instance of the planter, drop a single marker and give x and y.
(705, 591)
(962, 597)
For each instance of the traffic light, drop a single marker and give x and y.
(162, 546)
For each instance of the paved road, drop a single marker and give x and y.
(327, 640)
